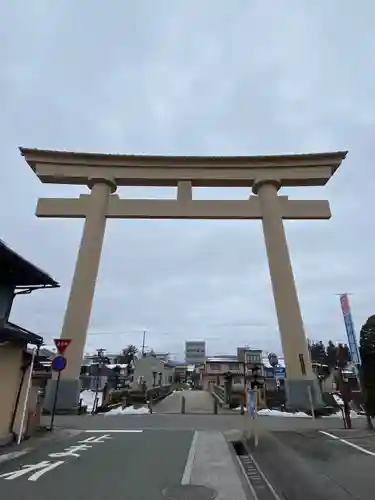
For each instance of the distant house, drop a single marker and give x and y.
(153, 371)
(42, 365)
(97, 372)
(163, 356)
(239, 365)
(180, 371)
(274, 378)
(217, 366)
(90, 359)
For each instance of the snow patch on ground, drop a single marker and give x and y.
(277, 413)
(338, 400)
(129, 410)
(88, 398)
(353, 414)
(170, 395)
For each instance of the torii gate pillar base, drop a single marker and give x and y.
(67, 396)
(298, 392)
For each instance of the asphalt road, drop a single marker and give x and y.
(221, 422)
(139, 456)
(318, 464)
(131, 465)
(113, 462)
(195, 402)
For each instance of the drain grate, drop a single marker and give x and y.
(258, 484)
(189, 492)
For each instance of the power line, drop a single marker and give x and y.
(227, 326)
(90, 334)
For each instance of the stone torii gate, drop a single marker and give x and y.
(102, 173)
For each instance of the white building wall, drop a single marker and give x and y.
(145, 367)
(195, 352)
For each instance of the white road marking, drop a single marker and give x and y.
(356, 446)
(41, 468)
(45, 466)
(113, 431)
(93, 439)
(40, 473)
(71, 451)
(14, 454)
(190, 460)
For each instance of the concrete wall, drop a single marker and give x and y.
(10, 378)
(168, 375)
(11, 360)
(31, 403)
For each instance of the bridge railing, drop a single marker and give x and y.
(128, 397)
(157, 393)
(235, 399)
(218, 393)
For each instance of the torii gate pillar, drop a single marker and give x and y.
(300, 377)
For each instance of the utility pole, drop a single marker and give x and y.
(100, 359)
(143, 343)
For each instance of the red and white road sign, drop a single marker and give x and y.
(62, 344)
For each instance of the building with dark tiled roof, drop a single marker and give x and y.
(17, 277)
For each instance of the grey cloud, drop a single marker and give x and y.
(192, 77)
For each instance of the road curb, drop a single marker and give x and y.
(6, 457)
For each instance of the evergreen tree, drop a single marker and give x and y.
(331, 355)
(318, 353)
(343, 355)
(128, 355)
(367, 352)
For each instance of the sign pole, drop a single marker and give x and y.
(96, 399)
(255, 417)
(31, 368)
(249, 410)
(55, 401)
(58, 365)
(253, 409)
(309, 393)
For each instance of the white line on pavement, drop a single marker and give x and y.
(113, 431)
(356, 446)
(190, 460)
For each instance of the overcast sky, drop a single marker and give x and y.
(195, 77)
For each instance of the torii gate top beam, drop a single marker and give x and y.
(63, 167)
